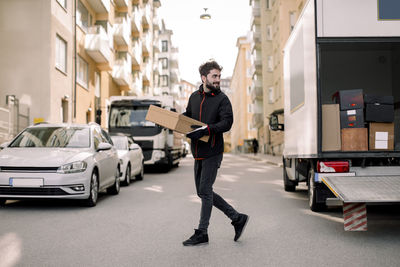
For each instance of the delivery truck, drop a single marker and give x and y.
(341, 118)
(161, 147)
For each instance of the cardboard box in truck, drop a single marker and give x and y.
(381, 136)
(355, 139)
(173, 120)
(331, 127)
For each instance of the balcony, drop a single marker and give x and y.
(156, 23)
(146, 71)
(255, 13)
(256, 90)
(255, 39)
(100, 6)
(156, 3)
(137, 84)
(136, 54)
(97, 44)
(122, 31)
(257, 120)
(136, 20)
(146, 12)
(121, 72)
(256, 63)
(146, 45)
(121, 3)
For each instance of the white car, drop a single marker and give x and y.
(131, 158)
(59, 161)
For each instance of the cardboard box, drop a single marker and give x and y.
(379, 113)
(331, 127)
(355, 139)
(173, 120)
(352, 118)
(351, 99)
(381, 136)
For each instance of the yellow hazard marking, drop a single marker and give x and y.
(333, 191)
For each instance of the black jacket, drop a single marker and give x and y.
(214, 109)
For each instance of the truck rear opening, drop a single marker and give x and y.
(370, 64)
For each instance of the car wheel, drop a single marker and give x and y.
(114, 189)
(140, 176)
(3, 201)
(312, 193)
(91, 201)
(127, 179)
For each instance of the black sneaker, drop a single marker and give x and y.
(199, 238)
(240, 225)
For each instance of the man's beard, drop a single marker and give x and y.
(212, 87)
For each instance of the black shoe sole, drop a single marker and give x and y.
(194, 245)
(244, 227)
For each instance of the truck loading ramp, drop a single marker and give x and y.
(357, 191)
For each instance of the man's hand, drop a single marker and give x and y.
(198, 132)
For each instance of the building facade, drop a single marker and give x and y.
(62, 59)
(242, 97)
(271, 24)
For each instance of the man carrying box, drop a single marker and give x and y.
(211, 106)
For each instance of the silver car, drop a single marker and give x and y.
(59, 161)
(131, 158)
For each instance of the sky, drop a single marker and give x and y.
(200, 40)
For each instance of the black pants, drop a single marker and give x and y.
(205, 173)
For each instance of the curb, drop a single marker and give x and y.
(278, 164)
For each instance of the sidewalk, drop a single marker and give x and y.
(265, 158)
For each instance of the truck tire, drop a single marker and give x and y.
(312, 193)
(288, 185)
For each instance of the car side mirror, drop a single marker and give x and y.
(134, 147)
(104, 146)
(4, 145)
(274, 124)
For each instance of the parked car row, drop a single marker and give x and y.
(67, 161)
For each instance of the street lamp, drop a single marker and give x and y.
(205, 16)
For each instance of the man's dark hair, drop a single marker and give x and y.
(205, 68)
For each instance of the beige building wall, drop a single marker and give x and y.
(28, 32)
(241, 98)
(277, 19)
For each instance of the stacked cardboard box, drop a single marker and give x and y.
(354, 135)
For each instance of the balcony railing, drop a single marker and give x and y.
(121, 3)
(122, 30)
(257, 120)
(136, 54)
(255, 39)
(146, 44)
(146, 12)
(136, 19)
(255, 13)
(146, 72)
(97, 44)
(256, 62)
(100, 6)
(121, 72)
(256, 90)
(137, 84)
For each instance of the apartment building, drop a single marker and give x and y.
(271, 24)
(186, 89)
(168, 59)
(62, 59)
(243, 97)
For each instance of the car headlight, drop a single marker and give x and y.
(77, 166)
(158, 155)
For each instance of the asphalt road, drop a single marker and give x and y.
(146, 223)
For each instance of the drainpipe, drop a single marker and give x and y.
(74, 75)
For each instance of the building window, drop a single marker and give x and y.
(269, 32)
(271, 97)
(82, 16)
(270, 63)
(83, 72)
(164, 63)
(249, 90)
(164, 46)
(164, 80)
(63, 3)
(292, 20)
(97, 84)
(61, 54)
(249, 108)
(268, 4)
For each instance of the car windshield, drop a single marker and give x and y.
(72, 137)
(119, 142)
(129, 116)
